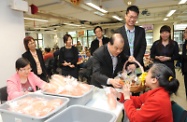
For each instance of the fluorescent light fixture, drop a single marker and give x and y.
(117, 17)
(40, 28)
(165, 19)
(96, 7)
(182, 2)
(171, 12)
(35, 19)
(99, 13)
(129, 3)
(72, 24)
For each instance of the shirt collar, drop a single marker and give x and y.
(129, 30)
(98, 39)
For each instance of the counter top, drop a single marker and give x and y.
(99, 101)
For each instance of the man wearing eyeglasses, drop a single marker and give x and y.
(134, 36)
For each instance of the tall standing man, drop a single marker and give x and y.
(134, 36)
(99, 41)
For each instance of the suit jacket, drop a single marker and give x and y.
(102, 66)
(14, 88)
(95, 44)
(184, 58)
(29, 57)
(139, 43)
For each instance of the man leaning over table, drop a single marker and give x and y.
(107, 62)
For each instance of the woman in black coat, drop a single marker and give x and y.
(35, 58)
(165, 50)
(68, 57)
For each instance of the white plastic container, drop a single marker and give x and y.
(77, 100)
(9, 116)
(79, 113)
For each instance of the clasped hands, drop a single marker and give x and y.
(68, 64)
(162, 58)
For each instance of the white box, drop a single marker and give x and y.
(19, 5)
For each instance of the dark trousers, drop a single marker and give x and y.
(185, 83)
(43, 77)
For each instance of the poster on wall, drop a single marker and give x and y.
(148, 27)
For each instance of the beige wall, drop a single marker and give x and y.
(156, 30)
(11, 33)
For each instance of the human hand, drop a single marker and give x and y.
(65, 63)
(126, 91)
(115, 83)
(131, 67)
(164, 58)
(131, 59)
(72, 66)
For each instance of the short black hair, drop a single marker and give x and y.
(98, 27)
(21, 63)
(66, 36)
(132, 8)
(47, 49)
(165, 28)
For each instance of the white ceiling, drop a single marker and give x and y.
(63, 11)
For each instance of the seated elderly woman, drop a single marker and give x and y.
(23, 81)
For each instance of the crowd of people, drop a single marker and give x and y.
(105, 59)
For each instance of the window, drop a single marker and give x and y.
(74, 36)
(149, 38)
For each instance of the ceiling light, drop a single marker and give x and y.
(165, 19)
(72, 24)
(182, 1)
(40, 28)
(129, 3)
(99, 13)
(171, 12)
(117, 17)
(96, 7)
(35, 19)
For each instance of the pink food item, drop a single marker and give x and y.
(37, 107)
(111, 99)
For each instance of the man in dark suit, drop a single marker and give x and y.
(184, 60)
(107, 62)
(134, 36)
(100, 39)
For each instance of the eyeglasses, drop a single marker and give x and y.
(31, 43)
(132, 17)
(24, 70)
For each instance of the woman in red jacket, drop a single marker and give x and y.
(154, 105)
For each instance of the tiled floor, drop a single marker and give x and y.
(181, 97)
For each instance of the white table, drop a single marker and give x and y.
(99, 101)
